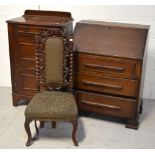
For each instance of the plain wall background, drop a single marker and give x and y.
(127, 14)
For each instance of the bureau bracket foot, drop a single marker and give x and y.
(132, 124)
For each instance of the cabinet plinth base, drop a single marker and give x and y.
(20, 100)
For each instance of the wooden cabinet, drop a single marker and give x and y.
(110, 62)
(21, 33)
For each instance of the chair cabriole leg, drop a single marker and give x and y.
(28, 131)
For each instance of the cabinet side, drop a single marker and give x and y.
(11, 53)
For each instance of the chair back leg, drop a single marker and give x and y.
(53, 124)
(36, 137)
(75, 127)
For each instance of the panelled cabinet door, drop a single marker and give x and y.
(26, 81)
(25, 55)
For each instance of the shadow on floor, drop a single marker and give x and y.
(62, 131)
(101, 117)
(148, 109)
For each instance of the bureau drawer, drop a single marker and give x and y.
(108, 105)
(107, 84)
(105, 65)
(27, 29)
(31, 29)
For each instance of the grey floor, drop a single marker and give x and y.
(94, 131)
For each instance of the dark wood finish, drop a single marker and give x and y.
(111, 39)
(133, 124)
(107, 84)
(106, 104)
(48, 18)
(66, 85)
(108, 65)
(110, 60)
(21, 33)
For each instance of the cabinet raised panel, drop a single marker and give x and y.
(25, 51)
(26, 81)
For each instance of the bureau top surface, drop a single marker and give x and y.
(111, 39)
(35, 17)
(117, 24)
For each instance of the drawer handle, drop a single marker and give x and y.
(119, 69)
(111, 107)
(29, 32)
(102, 85)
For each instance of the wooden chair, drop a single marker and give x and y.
(54, 100)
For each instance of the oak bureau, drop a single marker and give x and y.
(110, 61)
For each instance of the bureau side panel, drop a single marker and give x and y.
(142, 70)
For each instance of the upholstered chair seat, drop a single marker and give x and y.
(52, 105)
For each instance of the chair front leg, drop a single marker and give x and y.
(75, 127)
(28, 131)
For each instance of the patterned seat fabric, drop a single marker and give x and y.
(52, 104)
